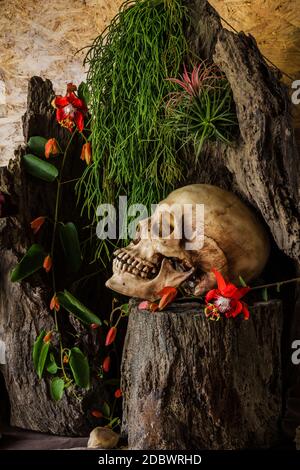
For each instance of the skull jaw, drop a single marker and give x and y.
(131, 286)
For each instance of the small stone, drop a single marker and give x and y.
(103, 438)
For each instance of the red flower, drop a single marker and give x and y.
(97, 414)
(37, 223)
(111, 336)
(66, 359)
(51, 148)
(48, 337)
(86, 153)
(54, 304)
(70, 109)
(167, 295)
(47, 265)
(94, 326)
(118, 393)
(106, 364)
(226, 299)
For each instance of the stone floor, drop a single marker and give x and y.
(18, 439)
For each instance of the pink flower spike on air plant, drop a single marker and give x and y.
(192, 82)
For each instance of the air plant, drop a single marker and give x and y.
(203, 109)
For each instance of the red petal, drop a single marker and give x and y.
(241, 292)
(144, 305)
(60, 115)
(245, 311)
(61, 101)
(79, 120)
(220, 280)
(76, 102)
(230, 291)
(167, 294)
(212, 294)
(167, 290)
(236, 309)
(111, 336)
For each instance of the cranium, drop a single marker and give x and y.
(235, 243)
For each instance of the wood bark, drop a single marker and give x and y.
(201, 384)
(24, 306)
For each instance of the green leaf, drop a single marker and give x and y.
(76, 308)
(70, 243)
(42, 359)
(39, 168)
(52, 367)
(31, 262)
(125, 309)
(106, 409)
(37, 145)
(37, 347)
(83, 92)
(80, 368)
(265, 295)
(57, 388)
(242, 282)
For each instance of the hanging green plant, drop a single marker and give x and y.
(128, 66)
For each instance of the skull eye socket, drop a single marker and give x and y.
(165, 225)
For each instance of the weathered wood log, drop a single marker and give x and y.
(24, 306)
(263, 164)
(191, 383)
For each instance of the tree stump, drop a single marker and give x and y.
(190, 383)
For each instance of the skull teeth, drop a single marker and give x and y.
(125, 262)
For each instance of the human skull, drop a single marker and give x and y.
(234, 242)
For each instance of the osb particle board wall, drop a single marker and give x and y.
(42, 38)
(275, 24)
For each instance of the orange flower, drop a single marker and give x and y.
(51, 148)
(167, 295)
(65, 359)
(111, 336)
(146, 305)
(118, 393)
(37, 223)
(48, 337)
(86, 153)
(106, 364)
(47, 265)
(54, 304)
(97, 414)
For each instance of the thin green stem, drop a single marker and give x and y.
(275, 284)
(70, 181)
(55, 223)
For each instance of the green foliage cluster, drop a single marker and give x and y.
(128, 66)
